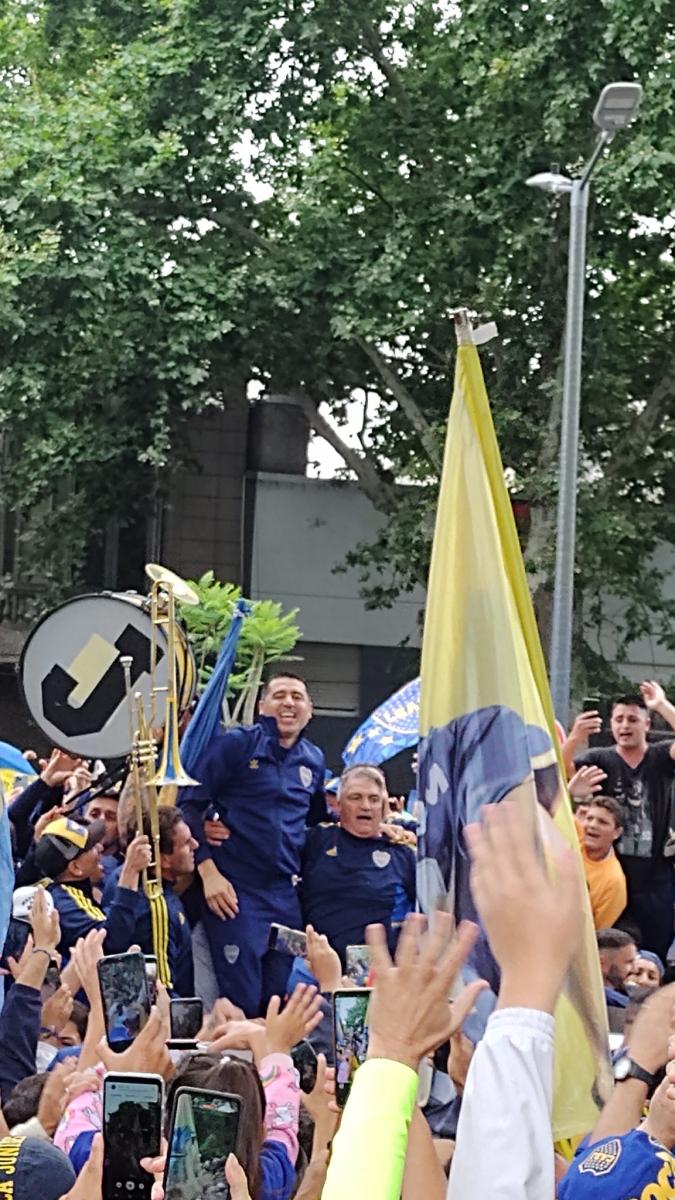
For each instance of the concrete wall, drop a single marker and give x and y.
(302, 530)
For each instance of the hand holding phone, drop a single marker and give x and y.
(126, 1000)
(203, 1133)
(350, 1032)
(132, 1130)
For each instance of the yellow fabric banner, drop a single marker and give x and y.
(487, 722)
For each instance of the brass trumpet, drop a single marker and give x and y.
(148, 778)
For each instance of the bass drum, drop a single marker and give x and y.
(72, 677)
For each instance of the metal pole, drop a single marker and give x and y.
(563, 594)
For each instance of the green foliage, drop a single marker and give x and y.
(193, 192)
(267, 635)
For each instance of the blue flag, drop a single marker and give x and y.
(392, 727)
(208, 714)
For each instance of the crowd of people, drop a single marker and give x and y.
(260, 847)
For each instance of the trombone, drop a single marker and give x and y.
(148, 777)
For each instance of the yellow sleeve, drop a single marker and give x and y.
(369, 1149)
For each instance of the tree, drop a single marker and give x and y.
(268, 635)
(300, 191)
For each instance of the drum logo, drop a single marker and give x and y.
(81, 698)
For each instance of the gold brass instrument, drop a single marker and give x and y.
(148, 777)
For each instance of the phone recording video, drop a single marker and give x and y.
(357, 965)
(132, 1130)
(187, 1018)
(126, 1000)
(203, 1133)
(350, 1031)
(288, 941)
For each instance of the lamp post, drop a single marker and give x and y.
(615, 109)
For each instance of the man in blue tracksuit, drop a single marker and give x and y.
(265, 783)
(162, 926)
(352, 875)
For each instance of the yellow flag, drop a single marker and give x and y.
(487, 721)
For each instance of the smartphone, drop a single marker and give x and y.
(132, 1130)
(350, 1033)
(126, 999)
(151, 972)
(18, 933)
(288, 941)
(305, 1063)
(52, 981)
(203, 1132)
(593, 704)
(357, 965)
(187, 1018)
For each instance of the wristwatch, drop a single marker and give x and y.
(625, 1068)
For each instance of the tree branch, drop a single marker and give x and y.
(380, 493)
(402, 395)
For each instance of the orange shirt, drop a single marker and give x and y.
(607, 886)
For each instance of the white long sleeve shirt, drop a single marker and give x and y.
(504, 1146)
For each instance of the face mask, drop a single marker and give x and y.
(43, 1056)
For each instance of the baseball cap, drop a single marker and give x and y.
(22, 900)
(31, 1167)
(619, 1167)
(63, 841)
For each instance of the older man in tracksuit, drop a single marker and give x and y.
(265, 783)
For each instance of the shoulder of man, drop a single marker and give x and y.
(326, 833)
(660, 752)
(598, 756)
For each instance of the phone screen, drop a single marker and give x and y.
(124, 988)
(288, 941)
(305, 1063)
(203, 1133)
(132, 1130)
(357, 965)
(187, 1016)
(350, 1028)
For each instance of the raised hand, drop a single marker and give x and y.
(299, 1018)
(660, 1122)
(45, 820)
(59, 766)
(409, 1012)
(586, 782)
(324, 961)
(45, 924)
(56, 1011)
(584, 725)
(532, 918)
(653, 694)
(148, 1052)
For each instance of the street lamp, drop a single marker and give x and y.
(615, 109)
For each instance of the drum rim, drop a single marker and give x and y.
(108, 595)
